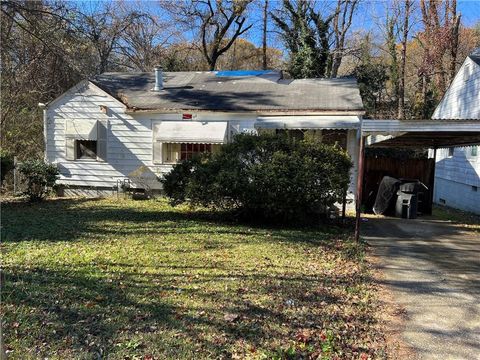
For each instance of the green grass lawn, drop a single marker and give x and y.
(89, 279)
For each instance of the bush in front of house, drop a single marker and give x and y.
(268, 177)
(39, 178)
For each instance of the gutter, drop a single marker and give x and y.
(307, 112)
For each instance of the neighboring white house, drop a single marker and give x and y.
(457, 170)
(136, 125)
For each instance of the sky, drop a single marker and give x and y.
(370, 15)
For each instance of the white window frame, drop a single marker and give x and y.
(466, 72)
(98, 139)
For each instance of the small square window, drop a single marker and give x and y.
(466, 72)
(86, 149)
(474, 188)
(474, 151)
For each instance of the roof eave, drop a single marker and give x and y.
(356, 112)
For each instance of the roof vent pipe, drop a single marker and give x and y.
(158, 79)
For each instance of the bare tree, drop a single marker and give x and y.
(342, 21)
(439, 38)
(455, 30)
(216, 23)
(37, 65)
(104, 27)
(145, 44)
(403, 58)
(264, 35)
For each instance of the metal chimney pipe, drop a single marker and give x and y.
(158, 79)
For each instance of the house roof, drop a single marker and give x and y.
(214, 91)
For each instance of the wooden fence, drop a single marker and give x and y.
(377, 168)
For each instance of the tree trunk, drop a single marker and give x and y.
(212, 63)
(264, 45)
(454, 40)
(403, 62)
(337, 60)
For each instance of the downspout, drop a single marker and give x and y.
(44, 108)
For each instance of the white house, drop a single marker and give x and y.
(457, 170)
(134, 126)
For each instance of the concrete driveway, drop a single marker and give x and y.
(433, 270)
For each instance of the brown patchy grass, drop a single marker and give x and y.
(466, 220)
(142, 280)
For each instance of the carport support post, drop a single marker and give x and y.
(358, 198)
(432, 181)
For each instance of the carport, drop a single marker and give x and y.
(418, 134)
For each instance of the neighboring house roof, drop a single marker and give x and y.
(214, 91)
(461, 100)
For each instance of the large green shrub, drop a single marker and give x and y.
(267, 176)
(39, 177)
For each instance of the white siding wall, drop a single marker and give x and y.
(129, 138)
(462, 99)
(462, 167)
(457, 195)
(457, 176)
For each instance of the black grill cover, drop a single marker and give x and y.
(386, 194)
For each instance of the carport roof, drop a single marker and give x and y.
(431, 139)
(423, 133)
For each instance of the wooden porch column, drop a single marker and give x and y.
(358, 198)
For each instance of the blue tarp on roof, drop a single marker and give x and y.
(242, 72)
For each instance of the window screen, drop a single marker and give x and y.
(187, 151)
(170, 153)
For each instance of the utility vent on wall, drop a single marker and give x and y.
(442, 201)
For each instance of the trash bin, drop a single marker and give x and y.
(407, 205)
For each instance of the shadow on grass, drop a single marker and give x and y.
(72, 219)
(99, 315)
(111, 306)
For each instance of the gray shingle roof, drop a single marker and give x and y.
(206, 91)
